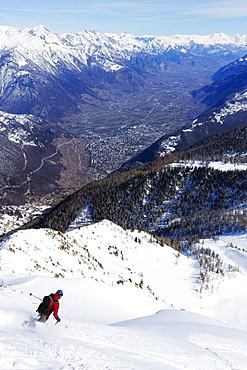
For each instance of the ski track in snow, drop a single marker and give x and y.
(90, 346)
(110, 326)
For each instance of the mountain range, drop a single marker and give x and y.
(65, 78)
(61, 77)
(94, 83)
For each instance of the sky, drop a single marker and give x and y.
(139, 17)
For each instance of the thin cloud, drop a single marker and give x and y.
(42, 10)
(17, 9)
(219, 9)
(118, 7)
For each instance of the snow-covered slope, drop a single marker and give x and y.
(40, 45)
(114, 283)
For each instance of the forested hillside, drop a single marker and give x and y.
(229, 146)
(169, 198)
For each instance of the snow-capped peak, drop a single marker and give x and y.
(40, 44)
(38, 30)
(44, 34)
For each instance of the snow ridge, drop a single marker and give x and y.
(47, 49)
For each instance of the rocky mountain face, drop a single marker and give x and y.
(230, 81)
(238, 65)
(37, 159)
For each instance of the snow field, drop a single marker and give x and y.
(107, 324)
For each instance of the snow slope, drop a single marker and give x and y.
(128, 302)
(48, 50)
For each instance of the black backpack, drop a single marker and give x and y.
(45, 304)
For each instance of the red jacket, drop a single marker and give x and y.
(54, 305)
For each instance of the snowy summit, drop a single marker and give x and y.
(49, 50)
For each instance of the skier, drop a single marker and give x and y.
(48, 305)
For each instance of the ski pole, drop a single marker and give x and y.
(31, 294)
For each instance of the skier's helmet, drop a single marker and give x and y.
(60, 292)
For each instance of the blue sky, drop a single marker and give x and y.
(140, 17)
